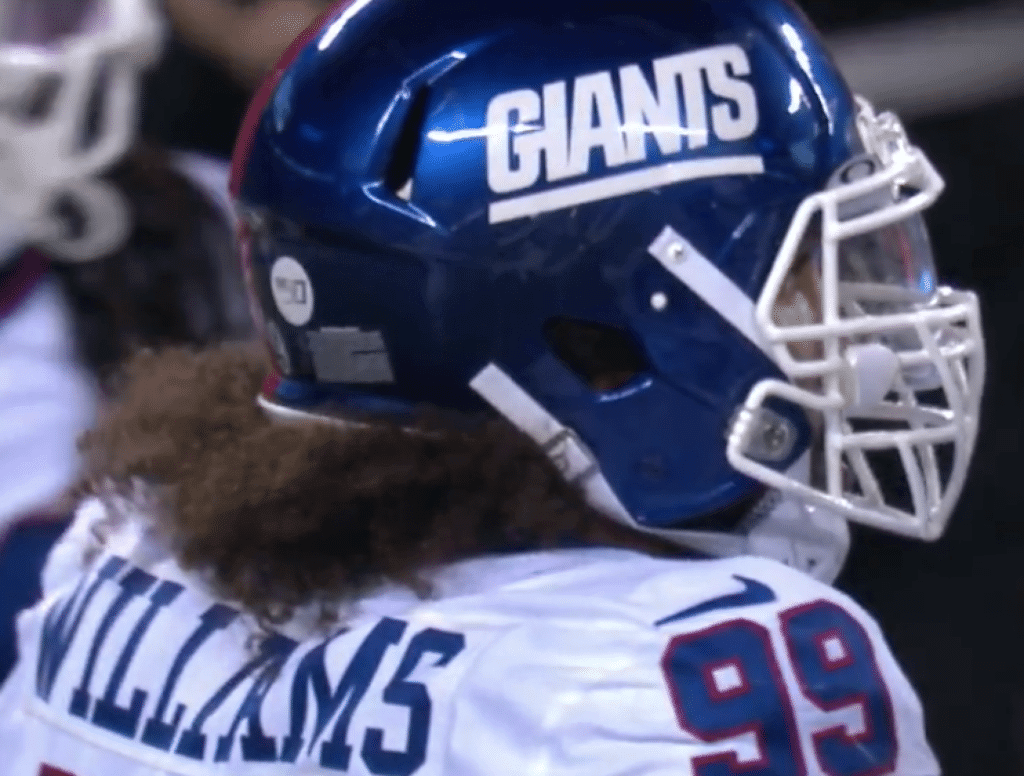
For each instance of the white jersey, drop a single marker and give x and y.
(47, 399)
(584, 662)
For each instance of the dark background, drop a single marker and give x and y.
(953, 610)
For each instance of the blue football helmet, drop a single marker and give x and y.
(665, 240)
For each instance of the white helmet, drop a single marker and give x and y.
(69, 86)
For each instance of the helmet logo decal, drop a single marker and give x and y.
(615, 115)
(292, 290)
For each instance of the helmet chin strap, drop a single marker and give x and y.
(786, 529)
(802, 536)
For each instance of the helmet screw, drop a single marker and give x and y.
(775, 438)
(676, 252)
(659, 301)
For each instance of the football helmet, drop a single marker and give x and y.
(69, 82)
(665, 240)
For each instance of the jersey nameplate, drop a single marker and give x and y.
(284, 701)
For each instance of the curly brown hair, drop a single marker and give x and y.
(279, 515)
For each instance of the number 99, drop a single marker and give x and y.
(725, 681)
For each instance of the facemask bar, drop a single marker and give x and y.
(43, 159)
(857, 377)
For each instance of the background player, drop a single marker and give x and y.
(626, 282)
(99, 254)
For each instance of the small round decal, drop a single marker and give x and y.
(292, 290)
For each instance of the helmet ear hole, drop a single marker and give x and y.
(604, 357)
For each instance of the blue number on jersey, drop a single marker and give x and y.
(725, 682)
(401, 691)
(836, 668)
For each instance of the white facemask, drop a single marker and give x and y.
(69, 83)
